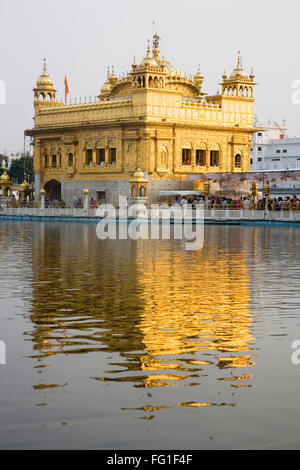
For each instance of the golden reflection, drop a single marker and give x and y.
(194, 304)
(163, 316)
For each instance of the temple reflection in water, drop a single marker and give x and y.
(169, 314)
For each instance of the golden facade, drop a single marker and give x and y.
(155, 118)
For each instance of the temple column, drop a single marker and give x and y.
(94, 156)
(37, 185)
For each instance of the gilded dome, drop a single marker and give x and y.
(24, 186)
(4, 178)
(44, 79)
(138, 175)
(113, 79)
(173, 71)
(238, 72)
(106, 87)
(148, 60)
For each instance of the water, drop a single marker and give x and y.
(144, 345)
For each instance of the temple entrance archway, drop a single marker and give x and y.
(53, 190)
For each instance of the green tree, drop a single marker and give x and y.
(22, 167)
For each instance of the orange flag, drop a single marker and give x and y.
(66, 89)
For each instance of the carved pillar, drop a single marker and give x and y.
(94, 156)
(193, 157)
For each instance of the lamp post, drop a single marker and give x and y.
(254, 194)
(266, 192)
(86, 199)
(206, 187)
(42, 193)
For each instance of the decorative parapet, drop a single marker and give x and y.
(84, 112)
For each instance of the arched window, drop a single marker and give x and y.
(241, 91)
(150, 82)
(133, 191)
(54, 161)
(214, 158)
(144, 82)
(46, 161)
(238, 160)
(163, 156)
(70, 159)
(142, 191)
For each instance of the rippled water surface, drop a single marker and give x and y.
(138, 344)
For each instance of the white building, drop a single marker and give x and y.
(11, 156)
(272, 149)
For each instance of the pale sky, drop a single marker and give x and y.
(81, 38)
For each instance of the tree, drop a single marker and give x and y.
(20, 168)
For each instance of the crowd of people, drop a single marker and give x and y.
(246, 202)
(212, 202)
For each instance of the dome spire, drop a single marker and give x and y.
(148, 49)
(239, 61)
(156, 40)
(238, 72)
(44, 86)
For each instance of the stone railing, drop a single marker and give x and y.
(209, 215)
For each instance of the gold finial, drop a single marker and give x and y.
(239, 63)
(107, 72)
(45, 65)
(156, 40)
(148, 48)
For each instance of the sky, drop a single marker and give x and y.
(81, 39)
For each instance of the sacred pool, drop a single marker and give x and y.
(141, 344)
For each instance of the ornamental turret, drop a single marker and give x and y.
(198, 79)
(44, 90)
(106, 88)
(239, 84)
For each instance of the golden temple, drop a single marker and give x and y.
(155, 118)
